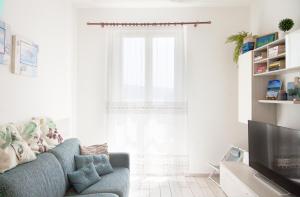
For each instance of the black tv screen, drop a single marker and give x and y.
(275, 153)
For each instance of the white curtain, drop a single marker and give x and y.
(146, 105)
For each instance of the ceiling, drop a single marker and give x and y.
(158, 3)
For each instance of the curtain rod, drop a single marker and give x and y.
(103, 24)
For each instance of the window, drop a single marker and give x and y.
(133, 69)
(163, 68)
(147, 69)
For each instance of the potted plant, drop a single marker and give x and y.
(285, 25)
(238, 39)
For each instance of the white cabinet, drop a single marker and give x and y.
(240, 180)
(232, 186)
(293, 49)
(245, 87)
(250, 90)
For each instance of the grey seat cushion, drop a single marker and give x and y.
(96, 195)
(64, 153)
(42, 177)
(116, 183)
(119, 160)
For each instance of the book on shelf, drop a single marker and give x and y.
(276, 50)
(277, 65)
(261, 68)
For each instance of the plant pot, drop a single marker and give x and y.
(282, 34)
(249, 39)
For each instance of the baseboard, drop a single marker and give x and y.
(197, 174)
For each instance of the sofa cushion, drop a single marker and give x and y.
(84, 177)
(101, 163)
(95, 195)
(49, 131)
(31, 133)
(42, 177)
(13, 149)
(94, 149)
(116, 183)
(119, 160)
(65, 155)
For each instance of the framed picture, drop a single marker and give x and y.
(2, 40)
(274, 86)
(5, 44)
(266, 39)
(25, 57)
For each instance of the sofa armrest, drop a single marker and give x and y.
(119, 160)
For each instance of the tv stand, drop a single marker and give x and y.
(268, 183)
(240, 180)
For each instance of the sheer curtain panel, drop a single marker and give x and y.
(146, 105)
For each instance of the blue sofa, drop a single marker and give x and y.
(47, 176)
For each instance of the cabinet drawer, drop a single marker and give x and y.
(232, 186)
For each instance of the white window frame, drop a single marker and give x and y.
(179, 82)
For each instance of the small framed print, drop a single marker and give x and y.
(25, 57)
(5, 44)
(2, 40)
(266, 39)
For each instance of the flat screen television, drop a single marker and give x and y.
(275, 153)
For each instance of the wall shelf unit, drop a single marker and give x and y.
(283, 56)
(278, 72)
(268, 59)
(254, 75)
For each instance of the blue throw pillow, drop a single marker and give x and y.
(84, 177)
(101, 163)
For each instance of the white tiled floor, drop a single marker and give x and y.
(174, 186)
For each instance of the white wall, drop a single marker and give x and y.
(212, 77)
(49, 23)
(265, 16)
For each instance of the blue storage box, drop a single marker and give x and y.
(248, 47)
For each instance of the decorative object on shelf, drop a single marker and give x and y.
(5, 44)
(274, 86)
(238, 39)
(25, 57)
(277, 65)
(261, 68)
(286, 24)
(266, 39)
(260, 56)
(276, 50)
(282, 96)
(292, 91)
(249, 44)
(297, 87)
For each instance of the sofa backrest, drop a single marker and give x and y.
(64, 153)
(43, 177)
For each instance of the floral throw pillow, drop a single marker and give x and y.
(49, 132)
(31, 133)
(13, 149)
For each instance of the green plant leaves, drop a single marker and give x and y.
(238, 40)
(286, 24)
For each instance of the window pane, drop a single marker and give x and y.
(133, 68)
(163, 68)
